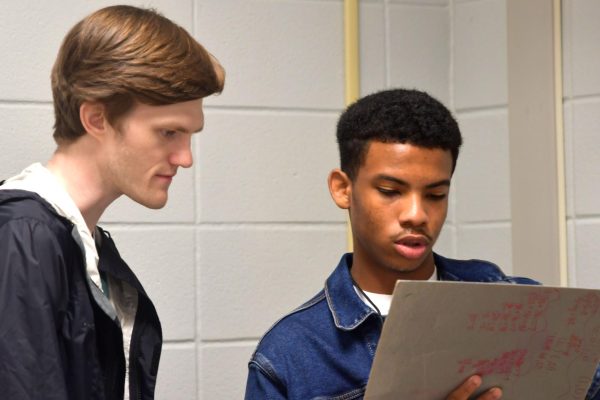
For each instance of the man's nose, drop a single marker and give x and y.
(413, 211)
(182, 156)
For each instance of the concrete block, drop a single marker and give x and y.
(251, 276)
(163, 260)
(224, 370)
(277, 54)
(567, 47)
(177, 372)
(446, 242)
(487, 242)
(480, 54)
(586, 154)
(26, 137)
(372, 47)
(451, 216)
(419, 48)
(587, 256)
(585, 36)
(482, 174)
(569, 158)
(32, 32)
(266, 167)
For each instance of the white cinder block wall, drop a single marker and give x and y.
(479, 71)
(267, 234)
(250, 231)
(581, 63)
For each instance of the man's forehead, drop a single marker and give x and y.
(376, 150)
(188, 111)
(399, 159)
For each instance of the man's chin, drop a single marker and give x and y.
(155, 206)
(412, 268)
(152, 203)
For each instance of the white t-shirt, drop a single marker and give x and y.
(383, 301)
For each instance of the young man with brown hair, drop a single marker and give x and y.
(76, 323)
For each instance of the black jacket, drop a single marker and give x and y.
(59, 337)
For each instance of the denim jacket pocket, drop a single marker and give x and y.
(356, 394)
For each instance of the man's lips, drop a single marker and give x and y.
(412, 246)
(165, 177)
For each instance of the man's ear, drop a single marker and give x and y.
(340, 188)
(93, 119)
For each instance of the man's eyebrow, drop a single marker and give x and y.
(383, 177)
(185, 130)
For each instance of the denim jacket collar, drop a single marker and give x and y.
(445, 270)
(347, 309)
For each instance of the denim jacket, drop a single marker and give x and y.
(324, 349)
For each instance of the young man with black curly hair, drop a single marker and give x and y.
(398, 151)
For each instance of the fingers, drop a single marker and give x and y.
(492, 394)
(465, 389)
(468, 387)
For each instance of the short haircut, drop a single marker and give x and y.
(395, 116)
(121, 55)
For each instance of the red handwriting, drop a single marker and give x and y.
(555, 348)
(508, 364)
(591, 346)
(545, 343)
(584, 307)
(527, 316)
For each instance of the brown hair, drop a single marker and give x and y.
(122, 54)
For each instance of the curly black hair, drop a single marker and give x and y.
(396, 116)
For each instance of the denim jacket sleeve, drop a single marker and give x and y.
(594, 390)
(260, 386)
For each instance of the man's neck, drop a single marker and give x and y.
(75, 166)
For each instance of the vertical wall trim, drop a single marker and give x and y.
(560, 143)
(351, 54)
(452, 92)
(536, 140)
(351, 64)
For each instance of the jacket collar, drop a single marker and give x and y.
(468, 270)
(347, 309)
(446, 270)
(112, 263)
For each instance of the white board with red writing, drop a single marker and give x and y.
(534, 342)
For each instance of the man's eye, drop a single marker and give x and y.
(168, 133)
(388, 192)
(437, 196)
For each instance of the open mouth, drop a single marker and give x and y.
(413, 243)
(412, 247)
